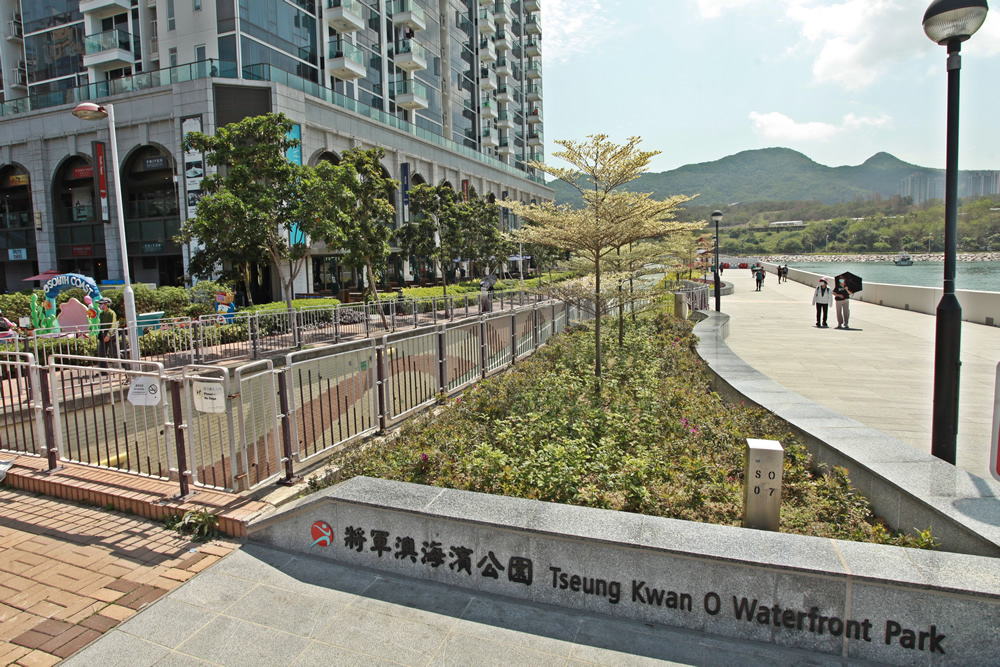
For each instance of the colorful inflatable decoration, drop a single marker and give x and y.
(43, 315)
(225, 307)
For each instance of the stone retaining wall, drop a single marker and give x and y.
(855, 600)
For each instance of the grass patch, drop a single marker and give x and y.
(652, 438)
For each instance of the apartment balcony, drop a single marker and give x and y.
(487, 26)
(533, 116)
(103, 8)
(345, 15)
(410, 55)
(505, 95)
(489, 138)
(410, 95)
(346, 61)
(533, 70)
(532, 26)
(486, 3)
(502, 15)
(536, 139)
(487, 80)
(505, 121)
(108, 50)
(488, 109)
(506, 147)
(533, 47)
(535, 157)
(503, 67)
(15, 29)
(409, 14)
(533, 93)
(530, 5)
(20, 79)
(502, 41)
(487, 50)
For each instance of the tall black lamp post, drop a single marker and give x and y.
(949, 23)
(717, 217)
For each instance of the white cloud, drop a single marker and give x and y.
(573, 27)
(857, 41)
(779, 127)
(713, 9)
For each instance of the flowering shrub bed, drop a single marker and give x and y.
(650, 438)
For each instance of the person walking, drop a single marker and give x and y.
(106, 333)
(842, 299)
(759, 277)
(821, 299)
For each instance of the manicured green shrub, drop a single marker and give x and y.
(651, 437)
(173, 301)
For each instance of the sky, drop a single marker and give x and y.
(838, 80)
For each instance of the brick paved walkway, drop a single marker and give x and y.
(70, 572)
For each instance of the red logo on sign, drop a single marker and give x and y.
(322, 534)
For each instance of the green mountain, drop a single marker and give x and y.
(771, 174)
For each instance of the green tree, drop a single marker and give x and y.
(366, 237)
(258, 204)
(484, 244)
(436, 231)
(611, 217)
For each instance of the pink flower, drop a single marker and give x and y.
(423, 458)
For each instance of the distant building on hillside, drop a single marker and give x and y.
(788, 223)
(924, 186)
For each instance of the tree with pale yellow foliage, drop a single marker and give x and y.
(611, 219)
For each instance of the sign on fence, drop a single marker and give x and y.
(209, 397)
(144, 392)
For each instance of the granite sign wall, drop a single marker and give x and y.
(855, 600)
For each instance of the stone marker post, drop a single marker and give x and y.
(680, 306)
(762, 461)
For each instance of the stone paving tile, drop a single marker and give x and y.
(70, 572)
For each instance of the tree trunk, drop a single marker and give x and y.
(597, 323)
(378, 303)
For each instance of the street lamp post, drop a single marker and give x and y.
(91, 111)
(949, 23)
(717, 217)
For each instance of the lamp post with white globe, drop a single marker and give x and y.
(949, 23)
(91, 111)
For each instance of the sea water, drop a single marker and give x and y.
(984, 276)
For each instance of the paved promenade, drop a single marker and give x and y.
(880, 372)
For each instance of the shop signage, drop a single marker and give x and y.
(404, 184)
(465, 189)
(157, 162)
(86, 171)
(83, 250)
(102, 180)
(18, 179)
(17, 254)
(152, 247)
(194, 167)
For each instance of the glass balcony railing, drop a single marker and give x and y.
(347, 50)
(106, 41)
(409, 87)
(154, 79)
(411, 46)
(353, 6)
(402, 6)
(228, 70)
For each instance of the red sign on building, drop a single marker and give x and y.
(102, 179)
(83, 250)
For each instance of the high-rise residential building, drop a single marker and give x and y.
(451, 89)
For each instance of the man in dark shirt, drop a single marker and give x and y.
(842, 300)
(105, 335)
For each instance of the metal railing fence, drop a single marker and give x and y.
(238, 429)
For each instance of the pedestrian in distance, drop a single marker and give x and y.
(842, 299)
(106, 333)
(821, 299)
(759, 277)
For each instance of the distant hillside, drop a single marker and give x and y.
(772, 174)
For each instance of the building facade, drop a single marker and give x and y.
(450, 89)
